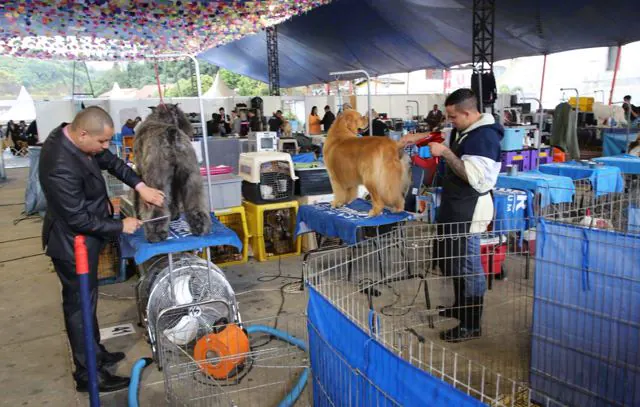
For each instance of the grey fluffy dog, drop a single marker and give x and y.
(165, 160)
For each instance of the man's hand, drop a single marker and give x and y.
(438, 149)
(130, 225)
(150, 195)
(412, 138)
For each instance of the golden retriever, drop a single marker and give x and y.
(378, 163)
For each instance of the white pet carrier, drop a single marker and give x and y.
(267, 177)
(262, 141)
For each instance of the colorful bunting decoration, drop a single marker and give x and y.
(134, 29)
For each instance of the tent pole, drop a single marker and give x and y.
(544, 72)
(615, 74)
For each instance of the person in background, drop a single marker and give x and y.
(255, 124)
(631, 112)
(32, 133)
(236, 122)
(314, 121)
(71, 164)
(434, 118)
(13, 133)
(275, 124)
(127, 129)
(225, 121)
(327, 119)
(466, 210)
(214, 126)
(379, 128)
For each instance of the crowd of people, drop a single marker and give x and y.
(18, 136)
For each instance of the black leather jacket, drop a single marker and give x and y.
(77, 201)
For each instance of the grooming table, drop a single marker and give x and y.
(180, 239)
(628, 164)
(552, 189)
(604, 179)
(347, 223)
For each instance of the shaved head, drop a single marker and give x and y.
(463, 100)
(93, 120)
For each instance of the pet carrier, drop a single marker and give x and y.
(272, 230)
(181, 299)
(267, 177)
(313, 179)
(260, 141)
(288, 145)
(236, 220)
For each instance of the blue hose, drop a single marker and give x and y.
(290, 399)
(136, 371)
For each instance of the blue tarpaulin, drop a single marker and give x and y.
(388, 36)
(585, 316)
(616, 141)
(351, 368)
(604, 180)
(553, 189)
(343, 222)
(180, 239)
(628, 164)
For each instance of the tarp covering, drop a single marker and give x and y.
(388, 36)
(351, 368)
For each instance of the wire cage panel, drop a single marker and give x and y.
(115, 187)
(252, 364)
(111, 268)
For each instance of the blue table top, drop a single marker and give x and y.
(604, 179)
(628, 164)
(180, 239)
(343, 222)
(553, 189)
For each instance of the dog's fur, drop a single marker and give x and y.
(378, 163)
(165, 160)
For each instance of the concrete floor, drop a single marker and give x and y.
(35, 360)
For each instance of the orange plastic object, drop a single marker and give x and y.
(559, 156)
(81, 254)
(220, 355)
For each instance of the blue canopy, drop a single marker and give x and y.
(388, 36)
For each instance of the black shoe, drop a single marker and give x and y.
(111, 358)
(460, 334)
(106, 383)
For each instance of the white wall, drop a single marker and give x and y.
(396, 105)
(49, 115)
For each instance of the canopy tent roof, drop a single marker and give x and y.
(119, 29)
(388, 36)
(218, 89)
(23, 109)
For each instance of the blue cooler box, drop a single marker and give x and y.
(513, 139)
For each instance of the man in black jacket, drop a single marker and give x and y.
(71, 161)
(327, 119)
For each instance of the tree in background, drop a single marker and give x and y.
(245, 85)
(183, 87)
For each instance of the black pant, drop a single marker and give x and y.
(72, 308)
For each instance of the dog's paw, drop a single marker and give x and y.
(199, 223)
(375, 212)
(336, 204)
(156, 234)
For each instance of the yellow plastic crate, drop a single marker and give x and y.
(585, 104)
(235, 219)
(259, 216)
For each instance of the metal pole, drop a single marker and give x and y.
(368, 91)
(544, 72)
(82, 271)
(615, 73)
(203, 123)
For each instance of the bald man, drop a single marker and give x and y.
(71, 162)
